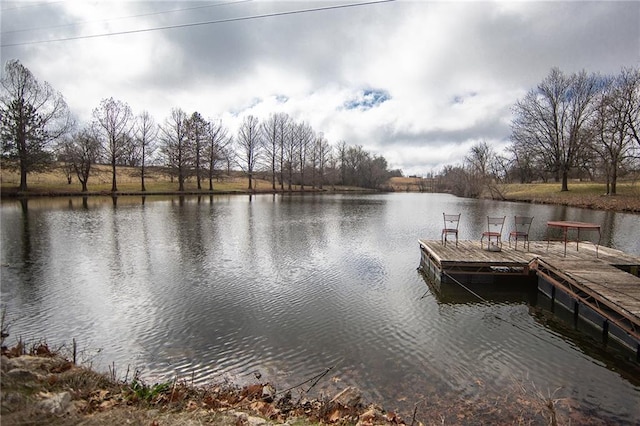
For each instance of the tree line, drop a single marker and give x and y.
(569, 125)
(38, 131)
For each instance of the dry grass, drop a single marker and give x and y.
(409, 184)
(590, 195)
(128, 181)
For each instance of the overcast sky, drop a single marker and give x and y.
(416, 82)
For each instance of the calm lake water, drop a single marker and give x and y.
(223, 287)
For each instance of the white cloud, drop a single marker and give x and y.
(451, 70)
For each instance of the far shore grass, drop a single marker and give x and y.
(54, 182)
(590, 195)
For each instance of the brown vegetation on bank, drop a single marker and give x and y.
(44, 388)
(40, 387)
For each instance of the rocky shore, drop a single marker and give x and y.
(42, 388)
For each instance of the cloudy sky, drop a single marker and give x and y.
(417, 82)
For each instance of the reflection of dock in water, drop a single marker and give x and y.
(604, 290)
(492, 292)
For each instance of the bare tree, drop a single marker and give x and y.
(629, 83)
(146, 136)
(313, 161)
(217, 143)
(33, 116)
(289, 150)
(612, 129)
(273, 137)
(197, 129)
(353, 162)
(249, 145)
(376, 172)
(479, 159)
(130, 150)
(228, 154)
(284, 129)
(323, 154)
(342, 156)
(331, 172)
(458, 181)
(113, 121)
(80, 152)
(551, 122)
(175, 145)
(304, 136)
(486, 170)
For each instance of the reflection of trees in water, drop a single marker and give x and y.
(607, 227)
(280, 281)
(26, 235)
(25, 249)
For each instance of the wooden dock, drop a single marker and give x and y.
(598, 284)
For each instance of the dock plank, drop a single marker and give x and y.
(472, 251)
(607, 283)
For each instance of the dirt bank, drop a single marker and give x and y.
(46, 389)
(41, 388)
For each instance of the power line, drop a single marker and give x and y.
(195, 24)
(22, 30)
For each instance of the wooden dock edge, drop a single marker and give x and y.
(588, 304)
(615, 314)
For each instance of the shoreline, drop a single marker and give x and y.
(39, 386)
(43, 387)
(615, 203)
(618, 204)
(56, 194)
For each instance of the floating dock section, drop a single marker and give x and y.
(469, 263)
(601, 287)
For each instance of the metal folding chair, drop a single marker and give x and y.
(521, 230)
(494, 230)
(451, 222)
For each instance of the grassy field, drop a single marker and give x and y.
(580, 194)
(128, 181)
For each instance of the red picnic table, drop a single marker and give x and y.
(566, 225)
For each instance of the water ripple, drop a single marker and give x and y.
(288, 287)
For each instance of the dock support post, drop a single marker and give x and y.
(605, 332)
(576, 313)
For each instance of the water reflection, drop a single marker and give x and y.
(25, 235)
(616, 357)
(504, 291)
(222, 286)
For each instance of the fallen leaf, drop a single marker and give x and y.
(335, 416)
(108, 404)
(368, 415)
